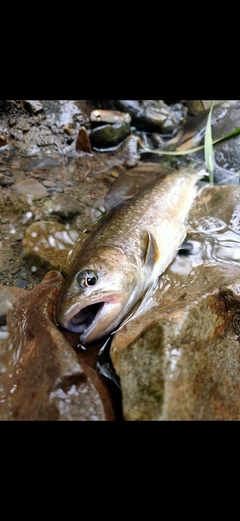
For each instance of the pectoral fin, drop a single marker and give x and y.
(149, 249)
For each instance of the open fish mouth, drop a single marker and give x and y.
(83, 319)
(93, 320)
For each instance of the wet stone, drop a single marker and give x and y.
(149, 115)
(57, 189)
(21, 283)
(67, 130)
(12, 122)
(32, 106)
(41, 377)
(100, 117)
(107, 136)
(18, 236)
(30, 187)
(3, 141)
(64, 205)
(49, 184)
(170, 360)
(130, 151)
(83, 142)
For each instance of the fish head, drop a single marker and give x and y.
(97, 296)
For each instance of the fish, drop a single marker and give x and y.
(125, 254)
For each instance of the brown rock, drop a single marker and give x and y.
(181, 360)
(3, 141)
(83, 141)
(41, 376)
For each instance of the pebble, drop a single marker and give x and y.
(21, 284)
(12, 122)
(18, 236)
(56, 189)
(3, 141)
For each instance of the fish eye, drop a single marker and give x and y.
(86, 278)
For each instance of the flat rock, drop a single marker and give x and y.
(30, 188)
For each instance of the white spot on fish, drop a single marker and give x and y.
(52, 241)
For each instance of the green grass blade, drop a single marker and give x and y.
(208, 146)
(190, 150)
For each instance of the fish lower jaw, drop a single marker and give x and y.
(95, 320)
